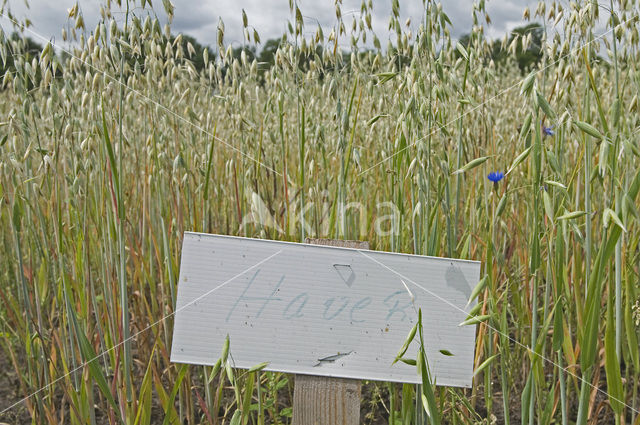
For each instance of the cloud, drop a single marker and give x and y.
(269, 17)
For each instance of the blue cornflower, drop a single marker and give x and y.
(495, 176)
(548, 131)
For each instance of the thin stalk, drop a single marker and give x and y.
(122, 256)
(207, 204)
(563, 389)
(535, 251)
(618, 197)
(460, 152)
(301, 148)
(587, 183)
(300, 118)
(284, 152)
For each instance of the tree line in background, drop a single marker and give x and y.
(526, 58)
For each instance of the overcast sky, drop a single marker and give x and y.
(199, 18)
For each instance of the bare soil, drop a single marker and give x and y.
(10, 394)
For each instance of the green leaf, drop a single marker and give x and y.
(571, 215)
(192, 115)
(425, 405)
(475, 320)
(229, 372)
(174, 391)
(478, 288)
(383, 77)
(94, 369)
(407, 342)
(589, 332)
(472, 164)
(258, 367)
(446, 353)
(523, 155)
(589, 129)
(525, 399)
(502, 204)
(428, 387)
(610, 214)
(485, 364)
(143, 415)
(474, 311)
(525, 126)
(248, 395)
(558, 330)
(110, 154)
(544, 105)
(544, 330)
(631, 147)
(460, 48)
(527, 83)
(556, 184)
(615, 112)
(429, 402)
(89, 356)
(548, 208)
(225, 349)
(237, 416)
(603, 155)
(287, 412)
(612, 364)
(545, 418)
(376, 118)
(17, 214)
(215, 370)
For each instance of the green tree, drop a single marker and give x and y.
(526, 58)
(197, 56)
(249, 51)
(18, 46)
(531, 56)
(266, 58)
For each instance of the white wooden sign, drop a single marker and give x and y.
(320, 310)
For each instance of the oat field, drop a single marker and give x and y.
(120, 137)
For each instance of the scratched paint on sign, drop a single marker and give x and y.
(321, 310)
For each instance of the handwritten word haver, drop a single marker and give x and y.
(396, 306)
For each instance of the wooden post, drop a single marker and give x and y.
(320, 400)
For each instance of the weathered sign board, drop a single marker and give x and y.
(321, 310)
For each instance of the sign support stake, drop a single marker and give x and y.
(320, 400)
